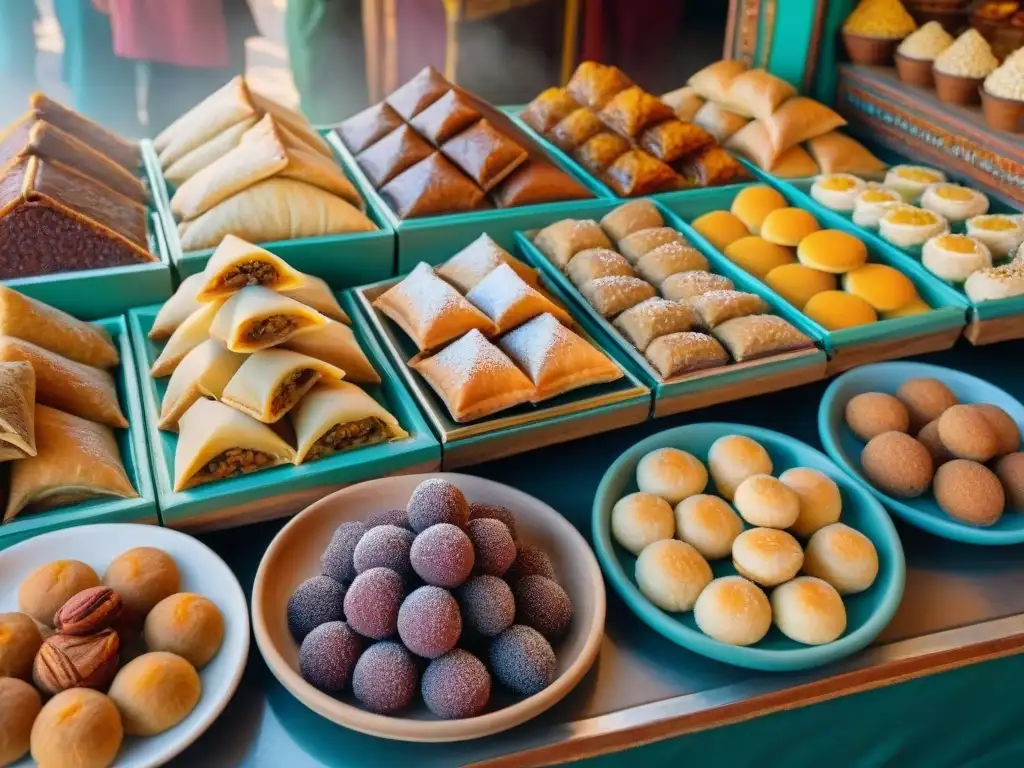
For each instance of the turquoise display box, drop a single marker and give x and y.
(132, 444)
(286, 489)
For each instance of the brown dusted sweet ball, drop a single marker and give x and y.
(19, 705)
(544, 605)
(328, 655)
(372, 603)
(442, 555)
(457, 685)
(966, 432)
(871, 413)
(530, 561)
(46, 589)
(386, 678)
(926, 399)
(437, 501)
(970, 492)
(337, 561)
(488, 605)
(315, 601)
(929, 438)
(429, 622)
(155, 692)
(384, 546)
(1007, 430)
(523, 660)
(897, 464)
(494, 549)
(480, 511)
(79, 728)
(1010, 471)
(19, 642)
(396, 517)
(143, 577)
(186, 624)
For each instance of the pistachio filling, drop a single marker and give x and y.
(291, 389)
(232, 463)
(352, 434)
(249, 273)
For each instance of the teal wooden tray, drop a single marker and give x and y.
(134, 455)
(282, 490)
(845, 448)
(341, 260)
(868, 613)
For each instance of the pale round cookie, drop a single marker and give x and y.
(734, 458)
(733, 610)
(767, 556)
(766, 502)
(641, 519)
(809, 611)
(820, 500)
(672, 474)
(709, 524)
(842, 556)
(671, 574)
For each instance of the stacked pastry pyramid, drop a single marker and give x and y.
(70, 198)
(245, 165)
(249, 341)
(58, 405)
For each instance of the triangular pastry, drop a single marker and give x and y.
(337, 417)
(256, 318)
(176, 309)
(510, 301)
(236, 264)
(418, 93)
(368, 127)
(432, 187)
(205, 370)
(193, 331)
(295, 122)
(446, 117)
(270, 383)
(564, 239)
(125, 153)
(398, 151)
(184, 168)
(229, 104)
(314, 292)
(323, 172)
(17, 411)
(336, 344)
(474, 262)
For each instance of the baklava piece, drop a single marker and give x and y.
(713, 167)
(431, 187)
(272, 381)
(366, 128)
(509, 301)
(564, 239)
(630, 111)
(716, 307)
(631, 217)
(548, 109)
(600, 151)
(670, 259)
(445, 118)
(256, 318)
(474, 262)
(593, 85)
(673, 139)
(641, 242)
(611, 296)
(485, 154)
(339, 417)
(636, 173)
(754, 336)
(597, 262)
(572, 131)
(399, 150)
(236, 264)
(655, 317)
(426, 87)
(678, 353)
(687, 286)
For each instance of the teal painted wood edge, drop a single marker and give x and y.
(361, 464)
(131, 443)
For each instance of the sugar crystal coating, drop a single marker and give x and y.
(397, 517)
(385, 678)
(317, 601)
(479, 510)
(488, 606)
(437, 501)
(457, 685)
(429, 622)
(521, 659)
(328, 655)
(442, 555)
(494, 550)
(336, 560)
(386, 546)
(372, 602)
(530, 561)
(543, 605)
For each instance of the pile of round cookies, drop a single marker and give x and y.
(674, 546)
(969, 455)
(444, 584)
(70, 638)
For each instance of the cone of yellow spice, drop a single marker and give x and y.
(874, 29)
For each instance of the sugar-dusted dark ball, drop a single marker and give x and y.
(337, 558)
(542, 604)
(457, 685)
(372, 602)
(385, 678)
(328, 655)
(317, 601)
(386, 546)
(480, 511)
(437, 501)
(442, 555)
(429, 622)
(396, 517)
(521, 659)
(530, 561)
(488, 606)
(493, 547)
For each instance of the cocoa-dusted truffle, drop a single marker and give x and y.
(372, 602)
(493, 547)
(397, 517)
(521, 659)
(328, 655)
(429, 622)
(385, 678)
(530, 561)
(386, 546)
(442, 555)
(542, 604)
(437, 501)
(317, 601)
(456, 685)
(481, 511)
(488, 606)
(898, 464)
(336, 560)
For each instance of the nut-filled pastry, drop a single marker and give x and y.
(474, 262)
(272, 381)
(637, 173)
(597, 262)
(631, 217)
(548, 109)
(635, 245)
(337, 417)
(593, 85)
(677, 353)
(564, 239)
(193, 331)
(236, 264)
(17, 411)
(510, 301)
(601, 150)
(673, 139)
(204, 371)
(654, 317)
(178, 308)
(612, 295)
(336, 344)
(574, 129)
(256, 318)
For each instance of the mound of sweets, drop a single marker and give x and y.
(445, 581)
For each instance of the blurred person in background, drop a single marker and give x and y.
(17, 56)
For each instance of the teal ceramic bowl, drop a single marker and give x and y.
(845, 448)
(867, 613)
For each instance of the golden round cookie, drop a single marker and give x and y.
(185, 624)
(78, 728)
(869, 414)
(640, 519)
(797, 284)
(1007, 430)
(832, 250)
(929, 438)
(883, 287)
(46, 589)
(842, 556)
(143, 577)
(970, 492)
(19, 705)
(836, 310)
(767, 556)
(753, 204)
(765, 502)
(720, 228)
(709, 524)
(917, 306)
(155, 692)
(734, 458)
(671, 574)
(757, 256)
(809, 611)
(19, 642)
(734, 611)
(897, 464)
(925, 399)
(821, 503)
(1010, 471)
(788, 226)
(967, 433)
(672, 474)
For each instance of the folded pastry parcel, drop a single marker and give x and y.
(474, 262)
(677, 353)
(256, 318)
(669, 259)
(189, 334)
(510, 301)
(564, 239)
(631, 217)
(17, 411)
(337, 417)
(593, 85)
(225, 107)
(636, 173)
(204, 371)
(272, 381)
(593, 263)
(335, 344)
(548, 109)
(754, 336)
(611, 296)
(632, 110)
(449, 115)
(236, 264)
(636, 245)
(654, 317)
(397, 151)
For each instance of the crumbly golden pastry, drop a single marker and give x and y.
(178, 308)
(637, 173)
(641, 242)
(718, 121)
(613, 295)
(368, 127)
(593, 85)
(574, 129)
(564, 239)
(193, 331)
(686, 286)
(535, 182)
(549, 108)
(256, 318)
(711, 167)
(236, 264)
(716, 307)
(510, 301)
(205, 370)
(758, 94)
(484, 153)
(335, 344)
(631, 217)
(685, 102)
(672, 140)
(474, 262)
(654, 317)
(753, 336)
(272, 381)
(597, 262)
(339, 416)
(798, 120)
(669, 259)
(398, 151)
(677, 353)
(431, 187)
(600, 151)
(446, 117)
(425, 87)
(17, 411)
(713, 82)
(835, 152)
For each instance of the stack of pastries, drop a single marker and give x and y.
(243, 164)
(58, 409)
(249, 341)
(70, 195)
(481, 294)
(432, 148)
(761, 117)
(626, 137)
(660, 293)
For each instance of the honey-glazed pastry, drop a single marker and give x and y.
(600, 151)
(555, 358)
(719, 122)
(61, 383)
(122, 151)
(758, 94)
(564, 239)
(677, 353)
(574, 129)
(549, 108)
(474, 262)
(634, 246)
(687, 286)
(613, 295)
(536, 182)
(193, 331)
(425, 87)
(314, 292)
(593, 85)
(47, 327)
(270, 382)
(835, 152)
(17, 411)
(398, 151)
(236, 264)
(76, 460)
(510, 301)
(712, 167)
(335, 344)
(798, 120)
(655, 317)
(339, 416)
(368, 127)
(593, 263)
(178, 308)
(215, 442)
(446, 117)
(484, 153)
(432, 186)
(636, 173)
(223, 108)
(633, 109)
(205, 370)
(713, 82)
(673, 139)
(191, 163)
(429, 310)
(669, 259)
(474, 378)
(256, 318)
(715, 307)
(685, 102)
(631, 217)
(754, 336)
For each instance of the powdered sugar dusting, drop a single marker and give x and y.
(500, 290)
(685, 286)
(429, 294)
(532, 344)
(759, 335)
(615, 293)
(715, 307)
(471, 356)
